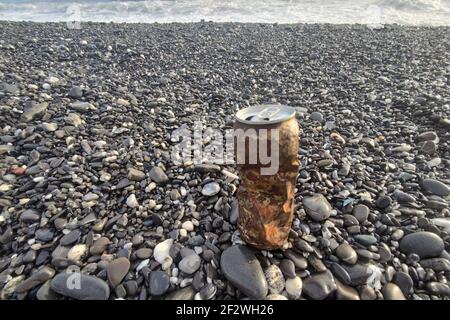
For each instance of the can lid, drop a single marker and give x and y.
(265, 114)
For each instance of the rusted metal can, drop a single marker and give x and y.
(267, 188)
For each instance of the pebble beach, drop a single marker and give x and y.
(87, 182)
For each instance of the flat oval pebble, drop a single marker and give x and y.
(117, 270)
(423, 243)
(159, 283)
(210, 189)
(190, 263)
(294, 287)
(392, 292)
(319, 286)
(243, 270)
(317, 207)
(70, 238)
(346, 253)
(436, 187)
(80, 286)
(365, 239)
(275, 279)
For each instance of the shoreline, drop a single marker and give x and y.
(389, 25)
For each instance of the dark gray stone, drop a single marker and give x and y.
(425, 244)
(241, 267)
(159, 282)
(90, 287)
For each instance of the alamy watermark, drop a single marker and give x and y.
(73, 281)
(240, 146)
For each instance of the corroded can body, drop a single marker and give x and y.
(266, 201)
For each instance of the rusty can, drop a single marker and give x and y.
(266, 140)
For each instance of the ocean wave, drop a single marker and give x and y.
(409, 12)
(424, 5)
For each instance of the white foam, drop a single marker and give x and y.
(371, 12)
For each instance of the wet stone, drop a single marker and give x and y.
(243, 270)
(365, 240)
(319, 286)
(294, 287)
(347, 254)
(404, 282)
(425, 244)
(392, 292)
(287, 267)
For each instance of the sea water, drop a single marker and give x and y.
(404, 12)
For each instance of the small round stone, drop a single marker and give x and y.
(211, 189)
(346, 253)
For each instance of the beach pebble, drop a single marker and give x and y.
(317, 207)
(425, 244)
(243, 270)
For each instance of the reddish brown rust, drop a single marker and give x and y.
(266, 202)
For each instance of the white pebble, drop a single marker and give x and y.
(188, 226)
(198, 296)
(132, 201)
(185, 282)
(198, 250)
(183, 233)
(294, 287)
(161, 252)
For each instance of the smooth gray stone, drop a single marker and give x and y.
(90, 287)
(76, 92)
(189, 264)
(404, 282)
(359, 273)
(319, 286)
(392, 292)
(299, 261)
(439, 289)
(437, 264)
(70, 238)
(317, 207)
(30, 216)
(424, 244)
(340, 273)
(436, 187)
(365, 239)
(40, 276)
(186, 293)
(159, 283)
(241, 267)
